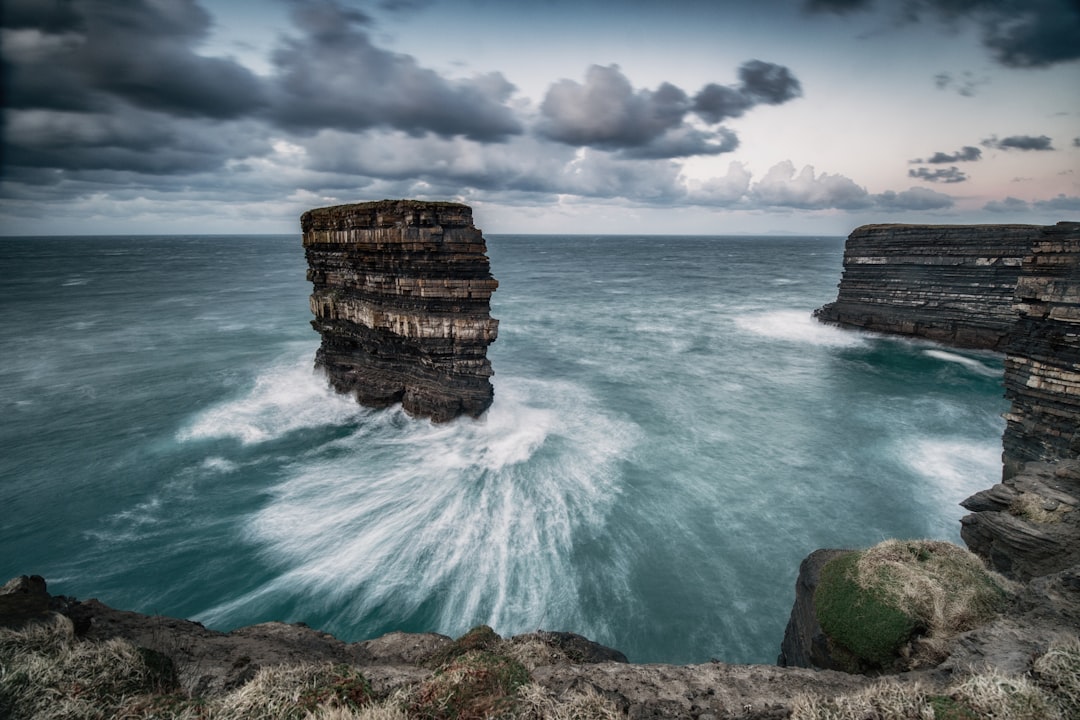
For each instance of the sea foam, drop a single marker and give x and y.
(797, 326)
(285, 397)
(481, 515)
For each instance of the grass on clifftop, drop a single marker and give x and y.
(897, 604)
(1050, 692)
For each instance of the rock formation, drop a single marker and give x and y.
(401, 297)
(1042, 358)
(949, 283)
(1029, 524)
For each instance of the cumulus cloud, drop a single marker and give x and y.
(782, 187)
(1018, 33)
(606, 112)
(951, 175)
(964, 154)
(332, 75)
(1019, 142)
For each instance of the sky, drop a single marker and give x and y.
(804, 117)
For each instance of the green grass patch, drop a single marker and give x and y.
(861, 621)
(899, 603)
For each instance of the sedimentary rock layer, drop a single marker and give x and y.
(1029, 524)
(1042, 361)
(948, 283)
(401, 297)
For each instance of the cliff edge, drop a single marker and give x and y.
(401, 298)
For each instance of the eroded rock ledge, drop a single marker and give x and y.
(401, 298)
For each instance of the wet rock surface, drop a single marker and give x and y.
(401, 298)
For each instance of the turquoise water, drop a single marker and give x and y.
(672, 433)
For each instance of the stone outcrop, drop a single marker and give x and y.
(1029, 524)
(805, 643)
(1042, 358)
(948, 283)
(401, 298)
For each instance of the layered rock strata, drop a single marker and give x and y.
(1042, 360)
(401, 298)
(948, 283)
(1029, 524)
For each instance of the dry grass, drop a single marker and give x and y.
(885, 700)
(46, 673)
(945, 588)
(1029, 506)
(1051, 692)
(537, 703)
(1059, 672)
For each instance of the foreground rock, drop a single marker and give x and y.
(562, 665)
(948, 283)
(401, 297)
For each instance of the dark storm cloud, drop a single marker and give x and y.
(1076, 142)
(964, 154)
(1019, 33)
(607, 113)
(79, 55)
(951, 175)
(332, 76)
(103, 85)
(1019, 142)
(760, 83)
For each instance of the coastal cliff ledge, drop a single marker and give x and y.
(401, 297)
(948, 283)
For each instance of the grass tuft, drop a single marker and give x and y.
(1058, 672)
(874, 603)
(480, 637)
(477, 684)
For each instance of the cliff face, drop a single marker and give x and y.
(949, 283)
(1042, 361)
(401, 297)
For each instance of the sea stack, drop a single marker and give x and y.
(401, 298)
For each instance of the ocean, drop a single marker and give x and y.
(672, 433)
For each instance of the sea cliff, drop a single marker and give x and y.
(949, 283)
(401, 298)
